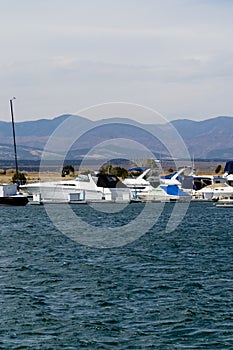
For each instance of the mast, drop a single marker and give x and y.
(13, 129)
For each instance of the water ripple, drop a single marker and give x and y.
(163, 291)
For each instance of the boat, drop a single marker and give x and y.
(224, 205)
(214, 192)
(140, 184)
(151, 187)
(9, 195)
(165, 193)
(214, 187)
(82, 189)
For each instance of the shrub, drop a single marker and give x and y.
(19, 178)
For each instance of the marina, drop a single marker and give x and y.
(149, 186)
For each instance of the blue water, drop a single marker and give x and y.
(162, 291)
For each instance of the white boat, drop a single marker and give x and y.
(224, 201)
(151, 187)
(214, 187)
(9, 195)
(84, 188)
(168, 193)
(141, 183)
(214, 192)
(224, 204)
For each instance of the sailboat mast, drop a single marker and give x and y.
(13, 129)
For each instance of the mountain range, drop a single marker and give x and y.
(207, 139)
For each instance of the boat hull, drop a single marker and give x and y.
(14, 200)
(224, 205)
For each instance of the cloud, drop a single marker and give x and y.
(154, 52)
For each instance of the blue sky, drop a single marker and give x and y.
(59, 56)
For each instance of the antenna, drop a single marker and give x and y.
(193, 164)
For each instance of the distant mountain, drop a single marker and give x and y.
(208, 139)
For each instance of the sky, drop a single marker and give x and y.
(61, 56)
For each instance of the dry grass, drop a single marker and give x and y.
(202, 168)
(35, 176)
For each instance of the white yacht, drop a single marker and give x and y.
(141, 183)
(150, 186)
(84, 188)
(214, 192)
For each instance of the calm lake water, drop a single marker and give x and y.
(165, 290)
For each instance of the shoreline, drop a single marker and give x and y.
(201, 168)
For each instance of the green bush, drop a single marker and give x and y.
(19, 178)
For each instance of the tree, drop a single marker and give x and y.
(19, 178)
(121, 172)
(67, 169)
(107, 169)
(117, 171)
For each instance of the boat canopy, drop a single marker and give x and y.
(169, 176)
(174, 190)
(141, 169)
(110, 181)
(229, 167)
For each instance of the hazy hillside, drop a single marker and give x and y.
(208, 139)
(212, 138)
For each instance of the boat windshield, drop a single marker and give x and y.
(153, 176)
(82, 178)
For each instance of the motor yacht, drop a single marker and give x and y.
(88, 188)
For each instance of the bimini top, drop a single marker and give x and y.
(174, 190)
(109, 181)
(140, 168)
(229, 167)
(169, 176)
